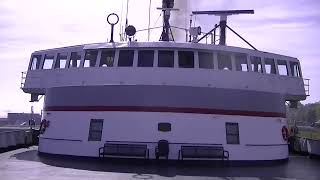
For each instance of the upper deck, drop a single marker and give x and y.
(165, 63)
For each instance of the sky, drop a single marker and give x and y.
(280, 26)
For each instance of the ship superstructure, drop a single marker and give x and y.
(188, 94)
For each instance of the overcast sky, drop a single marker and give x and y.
(289, 27)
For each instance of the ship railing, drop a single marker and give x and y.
(307, 86)
(23, 79)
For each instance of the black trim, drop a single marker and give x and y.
(266, 144)
(57, 139)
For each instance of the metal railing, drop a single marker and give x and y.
(23, 79)
(307, 86)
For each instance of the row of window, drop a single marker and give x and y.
(96, 127)
(166, 58)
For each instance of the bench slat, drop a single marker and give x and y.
(203, 152)
(132, 150)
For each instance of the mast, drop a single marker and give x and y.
(223, 22)
(167, 7)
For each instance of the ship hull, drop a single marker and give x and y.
(197, 116)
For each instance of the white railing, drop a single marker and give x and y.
(307, 86)
(23, 79)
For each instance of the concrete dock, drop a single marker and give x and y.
(27, 164)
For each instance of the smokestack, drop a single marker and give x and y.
(180, 19)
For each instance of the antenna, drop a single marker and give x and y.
(127, 21)
(149, 21)
(223, 23)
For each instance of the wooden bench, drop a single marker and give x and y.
(203, 152)
(128, 150)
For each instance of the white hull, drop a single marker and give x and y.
(260, 137)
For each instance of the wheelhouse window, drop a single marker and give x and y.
(48, 62)
(256, 64)
(232, 133)
(126, 58)
(224, 61)
(206, 60)
(35, 62)
(75, 60)
(270, 66)
(145, 58)
(166, 59)
(282, 67)
(241, 62)
(107, 58)
(95, 131)
(186, 59)
(295, 69)
(61, 61)
(90, 59)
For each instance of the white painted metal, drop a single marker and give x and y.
(260, 138)
(165, 76)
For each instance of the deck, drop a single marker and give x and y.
(27, 164)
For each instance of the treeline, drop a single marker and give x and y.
(304, 114)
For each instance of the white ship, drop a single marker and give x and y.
(193, 97)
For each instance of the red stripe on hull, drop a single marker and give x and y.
(165, 109)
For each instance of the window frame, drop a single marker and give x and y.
(285, 64)
(166, 50)
(153, 60)
(265, 60)
(212, 59)
(218, 60)
(133, 58)
(292, 70)
(67, 54)
(228, 134)
(184, 66)
(87, 59)
(254, 58)
(38, 62)
(237, 60)
(90, 138)
(100, 54)
(70, 59)
(44, 61)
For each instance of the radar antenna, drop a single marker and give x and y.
(223, 23)
(167, 7)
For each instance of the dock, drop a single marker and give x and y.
(26, 163)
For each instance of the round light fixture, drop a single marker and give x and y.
(130, 30)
